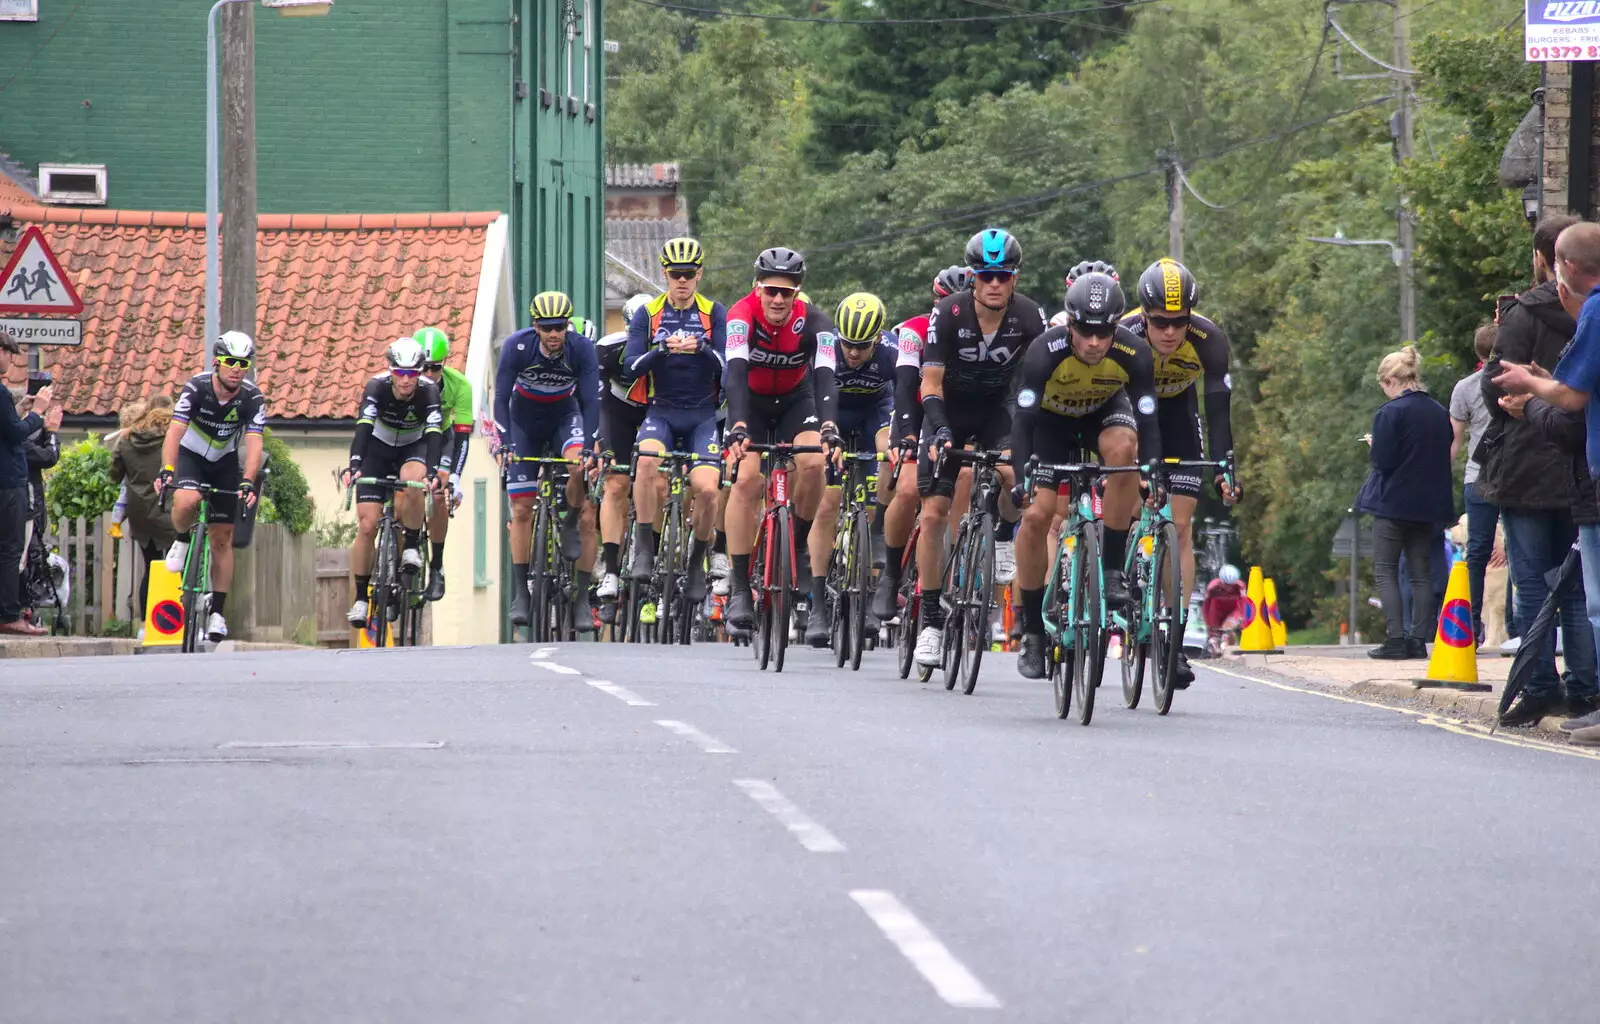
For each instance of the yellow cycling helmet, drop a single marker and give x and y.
(860, 318)
(682, 252)
(550, 306)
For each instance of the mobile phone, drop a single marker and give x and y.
(38, 380)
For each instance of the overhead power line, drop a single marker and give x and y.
(1020, 16)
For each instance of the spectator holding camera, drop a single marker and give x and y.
(14, 489)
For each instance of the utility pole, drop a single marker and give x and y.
(1174, 206)
(238, 311)
(1401, 127)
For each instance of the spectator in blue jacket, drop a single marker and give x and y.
(14, 490)
(1410, 497)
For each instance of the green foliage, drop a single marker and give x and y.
(80, 484)
(335, 532)
(118, 628)
(288, 498)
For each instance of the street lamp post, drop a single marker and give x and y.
(1397, 256)
(290, 8)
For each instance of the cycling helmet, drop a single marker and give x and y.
(994, 249)
(781, 262)
(632, 306)
(860, 318)
(951, 280)
(588, 328)
(1091, 267)
(1095, 299)
(1166, 286)
(1228, 575)
(234, 344)
(548, 306)
(405, 354)
(1060, 319)
(679, 253)
(435, 344)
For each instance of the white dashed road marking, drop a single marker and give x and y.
(949, 977)
(327, 745)
(811, 835)
(621, 693)
(709, 744)
(562, 670)
(543, 652)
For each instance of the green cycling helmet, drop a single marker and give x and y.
(435, 344)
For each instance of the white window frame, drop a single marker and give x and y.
(49, 195)
(19, 10)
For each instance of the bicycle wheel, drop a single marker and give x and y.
(761, 595)
(906, 634)
(671, 563)
(1087, 621)
(860, 586)
(836, 591)
(383, 586)
(978, 598)
(194, 590)
(1166, 627)
(955, 563)
(1135, 640)
(783, 584)
(539, 577)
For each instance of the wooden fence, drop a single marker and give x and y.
(334, 587)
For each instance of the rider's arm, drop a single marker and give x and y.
(1037, 365)
(182, 409)
(738, 375)
(933, 355)
(1142, 396)
(254, 432)
(822, 368)
(907, 379)
(588, 389)
(252, 457)
(1214, 357)
(642, 353)
(433, 432)
(513, 355)
(714, 345)
(365, 418)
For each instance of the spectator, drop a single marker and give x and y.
(1531, 479)
(135, 464)
(1470, 418)
(14, 433)
(1409, 495)
(42, 450)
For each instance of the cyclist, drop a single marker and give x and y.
(588, 328)
(780, 390)
(901, 515)
(214, 411)
(622, 410)
(865, 380)
(976, 338)
(676, 342)
(1086, 386)
(546, 399)
(455, 408)
(1188, 348)
(400, 433)
(1222, 608)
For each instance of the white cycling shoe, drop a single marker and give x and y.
(177, 555)
(216, 628)
(609, 585)
(410, 560)
(1005, 561)
(357, 615)
(930, 647)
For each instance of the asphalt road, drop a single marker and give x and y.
(610, 834)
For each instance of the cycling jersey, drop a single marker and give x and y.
(212, 427)
(1204, 352)
(608, 354)
(1057, 382)
(557, 383)
(399, 422)
(872, 383)
(455, 407)
(911, 336)
(677, 380)
(979, 366)
(768, 361)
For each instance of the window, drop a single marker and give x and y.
(19, 10)
(78, 184)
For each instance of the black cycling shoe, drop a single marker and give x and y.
(1116, 589)
(435, 586)
(880, 552)
(571, 542)
(741, 611)
(885, 599)
(1030, 658)
(818, 628)
(608, 612)
(694, 585)
(644, 554)
(582, 613)
(1184, 674)
(520, 611)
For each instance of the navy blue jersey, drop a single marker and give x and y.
(871, 383)
(555, 383)
(677, 380)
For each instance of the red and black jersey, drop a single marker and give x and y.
(767, 360)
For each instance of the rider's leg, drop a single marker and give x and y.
(1033, 556)
(613, 519)
(220, 536)
(361, 549)
(744, 500)
(647, 499)
(1183, 518)
(1119, 446)
(807, 479)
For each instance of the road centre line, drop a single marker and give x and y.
(328, 745)
(709, 744)
(811, 835)
(543, 652)
(563, 670)
(1454, 725)
(621, 693)
(949, 977)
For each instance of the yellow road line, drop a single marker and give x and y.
(1455, 725)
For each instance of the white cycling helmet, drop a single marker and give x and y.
(1228, 575)
(234, 345)
(632, 306)
(405, 354)
(1059, 320)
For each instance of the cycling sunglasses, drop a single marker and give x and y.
(991, 276)
(551, 326)
(778, 291)
(433, 368)
(1167, 323)
(233, 362)
(404, 373)
(857, 346)
(682, 275)
(1096, 330)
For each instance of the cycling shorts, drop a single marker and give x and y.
(1063, 439)
(986, 426)
(864, 424)
(385, 460)
(683, 430)
(541, 431)
(619, 427)
(193, 470)
(1179, 421)
(778, 419)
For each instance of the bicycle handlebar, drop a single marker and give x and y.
(783, 451)
(389, 483)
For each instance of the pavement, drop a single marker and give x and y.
(95, 646)
(599, 833)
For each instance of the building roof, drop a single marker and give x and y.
(11, 189)
(642, 175)
(333, 291)
(633, 248)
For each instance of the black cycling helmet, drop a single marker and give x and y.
(1095, 300)
(951, 280)
(994, 249)
(1091, 267)
(1166, 286)
(781, 262)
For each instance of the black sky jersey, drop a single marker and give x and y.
(213, 428)
(1203, 353)
(978, 368)
(1057, 382)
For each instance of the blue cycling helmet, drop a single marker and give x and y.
(994, 249)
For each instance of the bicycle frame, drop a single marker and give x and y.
(386, 557)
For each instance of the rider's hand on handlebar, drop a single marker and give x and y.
(348, 475)
(1021, 496)
(734, 443)
(1153, 490)
(1230, 495)
(440, 482)
(163, 481)
(832, 443)
(942, 440)
(247, 493)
